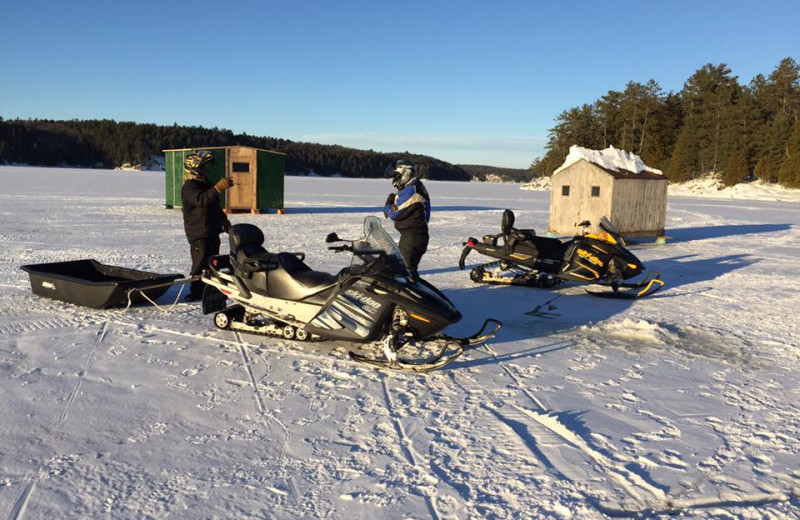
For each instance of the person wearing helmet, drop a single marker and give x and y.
(203, 219)
(410, 209)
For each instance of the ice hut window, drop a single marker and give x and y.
(565, 191)
(241, 167)
(595, 191)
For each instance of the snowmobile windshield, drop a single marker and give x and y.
(609, 228)
(377, 243)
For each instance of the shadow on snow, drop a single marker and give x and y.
(708, 232)
(567, 307)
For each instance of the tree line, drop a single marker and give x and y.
(713, 125)
(108, 144)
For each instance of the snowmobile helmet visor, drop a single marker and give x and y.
(401, 172)
(207, 158)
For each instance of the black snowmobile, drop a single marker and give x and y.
(374, 300)
(525, 258)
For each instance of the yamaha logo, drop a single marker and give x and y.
(49, 285)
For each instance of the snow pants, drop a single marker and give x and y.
(413, 245)
(202, 250)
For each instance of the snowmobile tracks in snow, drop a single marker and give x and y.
(21, 503)
(262, 409)
(427, 472)
(27, 325)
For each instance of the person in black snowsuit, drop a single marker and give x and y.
(410, 209)
(203, 219)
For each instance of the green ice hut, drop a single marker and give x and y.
(257, 175)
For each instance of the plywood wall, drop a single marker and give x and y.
(636, 206)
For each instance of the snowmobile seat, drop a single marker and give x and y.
(247, 252)
(511, 235)
(294, 280)
(541, 247)
(526, 241)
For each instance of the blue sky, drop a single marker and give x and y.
(467, 82)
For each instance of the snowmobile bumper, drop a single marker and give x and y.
(469, 245)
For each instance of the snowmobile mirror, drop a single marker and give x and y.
(332, 237)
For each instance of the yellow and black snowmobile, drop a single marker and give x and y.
(524, 258)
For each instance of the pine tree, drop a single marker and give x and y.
(789, 171)
(709, 97)
(736, 170)
(774, 151)
(683, 164)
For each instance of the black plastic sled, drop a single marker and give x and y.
(92, 284)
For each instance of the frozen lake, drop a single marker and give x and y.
(682, 403)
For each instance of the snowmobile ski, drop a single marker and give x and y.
(447, 343)
(396, 363)
(646, 287)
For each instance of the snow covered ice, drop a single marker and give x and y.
(685, 402)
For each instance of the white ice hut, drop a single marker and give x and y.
(611, 183)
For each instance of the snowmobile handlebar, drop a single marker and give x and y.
(339, 249)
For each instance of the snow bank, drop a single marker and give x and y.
(610, 159)
(537, 184)
(711, 187)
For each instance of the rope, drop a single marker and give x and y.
(154, 304)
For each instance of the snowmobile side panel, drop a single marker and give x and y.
(295, 313)
(352, 315)
(91, 284)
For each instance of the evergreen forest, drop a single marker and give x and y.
(714, 125)
(109, 144)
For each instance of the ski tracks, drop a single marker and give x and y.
(570, 457)
(262, 409)
(18, 509)
(427, 480)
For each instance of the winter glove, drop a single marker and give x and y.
(226, 225)
(223, 184)
(388, 204)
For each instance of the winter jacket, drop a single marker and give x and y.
(411, 209)
(202, 216)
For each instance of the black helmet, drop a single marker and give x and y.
(196, 164)
(402, 172)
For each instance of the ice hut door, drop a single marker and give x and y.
(243, 171)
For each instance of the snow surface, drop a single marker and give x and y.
(610, 159)
(686, 403)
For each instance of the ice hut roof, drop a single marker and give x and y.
(618, 163)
